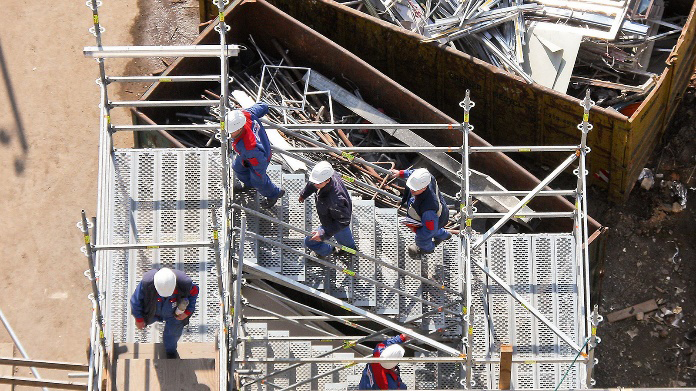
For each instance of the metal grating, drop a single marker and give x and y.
(301, 349)
(293, 265)
(269, 255)
(364, 292)
(319, 368)
(453, 267)
(408, 307)
(315, 274)
(256, 349)
(151, 202)
(432, 268)
(542, 269)
(279, 349)
(386, 249)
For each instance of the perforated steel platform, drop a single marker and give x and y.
(540, 267)
(163, 195)
(543, 270)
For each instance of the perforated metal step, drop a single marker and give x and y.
(540, 267)
(163, 195)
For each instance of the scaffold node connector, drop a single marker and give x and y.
(94, 31)
(91, 297)
(93, 5)
(87, 274)
(81, 228)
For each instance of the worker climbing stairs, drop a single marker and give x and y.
(484, 308)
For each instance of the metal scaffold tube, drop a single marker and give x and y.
(348, 179)
(465, 237)
(292, 284)
(341, 247)
(351, 344)
(345, 271)
(237, 289)
(513, 211)
(160, 51)
(95, 288)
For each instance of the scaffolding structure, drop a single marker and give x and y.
(457, 306)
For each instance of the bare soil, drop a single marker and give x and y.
(651, 254)
(49, 120)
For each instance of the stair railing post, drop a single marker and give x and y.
(465, 238)
(89, 250)
(237, 288)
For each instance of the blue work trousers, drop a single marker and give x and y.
(425, 242)
(343, 237)
(173, 327)
(256, 177)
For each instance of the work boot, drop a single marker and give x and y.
(270, 202)
(240, 187)
(415, 251)
(436, 242)
(174, 354)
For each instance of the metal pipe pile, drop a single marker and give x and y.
(566, 45)
(260, 77)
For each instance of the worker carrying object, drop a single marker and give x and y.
(334, 208)
(165, 295)
(384, 376)
(426, 206)
(250, 141)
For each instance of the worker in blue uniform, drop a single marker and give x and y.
(425, 204)
(385, 375)
(165, 295)
(334, 209)
(250, 141)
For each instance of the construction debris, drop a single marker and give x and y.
(628, 312)
(566, 45)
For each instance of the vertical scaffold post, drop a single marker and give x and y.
(594, 340)
(466, 234)
(97, 30)
(581, 207)
(93, 280)
(237, 289)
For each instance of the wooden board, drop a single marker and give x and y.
(156, 350)
(625, 313)
(6, 350)
(171, 375)
(505, 367)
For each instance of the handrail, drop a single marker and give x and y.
(346, 271)
(358, 253)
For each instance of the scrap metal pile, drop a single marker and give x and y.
(300, 95)
(566, 45)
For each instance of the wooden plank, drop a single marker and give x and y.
(20, 362)
(56, 384)
(148, 374)
(625, 313)
(156, 351)
(505, 367)
(6, 350)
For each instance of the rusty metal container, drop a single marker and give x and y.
(311, 49)
(508, 110)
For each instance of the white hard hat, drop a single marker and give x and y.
(321, 172)
(419, 179)
(391, 351)
(165, 282)
(235, 120)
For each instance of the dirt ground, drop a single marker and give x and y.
(48, 169)
(49, 120)
(651, 255)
